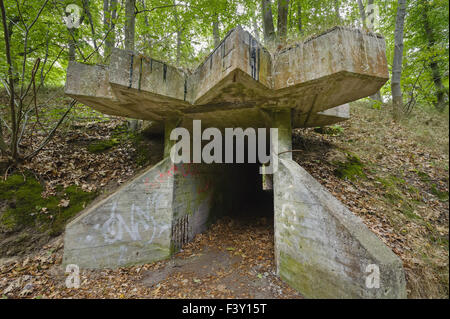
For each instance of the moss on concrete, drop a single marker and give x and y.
(311, 281)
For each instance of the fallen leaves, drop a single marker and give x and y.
(392, 151)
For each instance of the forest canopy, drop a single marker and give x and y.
(183, 32)
(39, 38)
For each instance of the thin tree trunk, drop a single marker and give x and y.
(91, 23)
(110, 25)
(440, 89)
(178, 46)
(130, 21)
(370, 15)
(255, 29)
(336, 10)
(12, 107)
(106, 24)
(362, 12)
(396, 89)
(363, 15)
(299, 17)
(178, 52)
(216, 34)
(269, 30)
(72, 50)
(106, 14)
(283, 10)
(147, 39)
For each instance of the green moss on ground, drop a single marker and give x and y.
(25, 207)
(122, 134)
(334, 130)
(351, 169)
(103, 145)
(442, 196)
(143, 154)
(395, 193)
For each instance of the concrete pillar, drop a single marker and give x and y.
(169, 125)
(281, 119)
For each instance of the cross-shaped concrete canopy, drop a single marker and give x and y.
(239, 80)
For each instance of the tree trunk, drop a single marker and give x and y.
(147, 39)
(255, 29)
(106, 24)
(370, 15)
(216, 34)
(105, 15)
(71, 52)
(336, 10)
(91, 22)
(177, 25)
(268, 28)
(396, 89)
(362, 12)
(13, 144)
(299, 17)
(130, 20)
(440, 89)
(129, 24)
(110, 24)
(283, 10)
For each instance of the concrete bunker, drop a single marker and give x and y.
(321, 248)
(232, 190)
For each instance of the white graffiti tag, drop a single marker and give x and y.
(115, 228)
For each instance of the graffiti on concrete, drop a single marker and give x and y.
(185, 170)
(140, 226)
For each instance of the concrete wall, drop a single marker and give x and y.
(199, 198)
(131, 226)
(323, 249)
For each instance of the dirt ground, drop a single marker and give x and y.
(233, 259)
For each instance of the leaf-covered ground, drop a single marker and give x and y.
(233, 259)
(394, 176)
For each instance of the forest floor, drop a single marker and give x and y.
(393, 175)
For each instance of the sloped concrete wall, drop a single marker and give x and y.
(322, 249)
(131, 226)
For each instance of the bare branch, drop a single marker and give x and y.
(52, 132)
(159, 7)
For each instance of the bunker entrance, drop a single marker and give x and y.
(207, 193)
(248, 199)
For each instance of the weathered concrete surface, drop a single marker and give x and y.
(131, 226)
(322, 249)
(327, 117)
(151, 217)
(238, 80)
